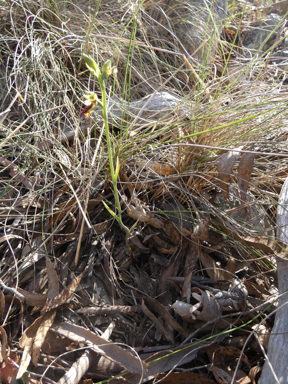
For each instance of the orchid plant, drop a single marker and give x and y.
(91, 101)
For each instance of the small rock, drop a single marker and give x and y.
(264, 33)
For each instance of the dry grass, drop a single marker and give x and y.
(52, 189)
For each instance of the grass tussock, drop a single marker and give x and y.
(55, 168)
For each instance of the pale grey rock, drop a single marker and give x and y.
(281, 8)
(146, 111)
(193, 26)
(264, 33)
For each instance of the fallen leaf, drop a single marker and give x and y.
(263, 334)
(183, 309)
(263, 243)
(62, 211)
(160, 169)
(162, 362)
(186, 292)
(162, 311)
(210, 266)
(67, 292)
(46, 323)
(78, 369)
(2, 305)
(3, 337)
(100, 227)
(244, 174)
(173, 266)
(8, 371)
(225, 166)
(53, 281)
(26, 342)
(136, 241)
(155, 321)
(254, 374)
(207, 308)
(138, 211)
(172, 232)
(183, 378)
(223, 365)
(16, 173)
(102, 346)
(33, 299)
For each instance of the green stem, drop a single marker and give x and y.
(110, 155)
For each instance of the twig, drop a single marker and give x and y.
(12, 290)
(114, 309)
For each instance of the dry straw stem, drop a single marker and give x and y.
(15, 131)
(169, 52)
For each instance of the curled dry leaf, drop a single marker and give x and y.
(254, 374)
(263, 334)
(183, 309)
(225, 166)
(223, 361)
(138, 211)
(206, 309)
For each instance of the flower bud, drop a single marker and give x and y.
(92, 65)
(107, 68)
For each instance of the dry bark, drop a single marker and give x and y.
(275, 369)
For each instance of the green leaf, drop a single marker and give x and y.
(110, 211)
